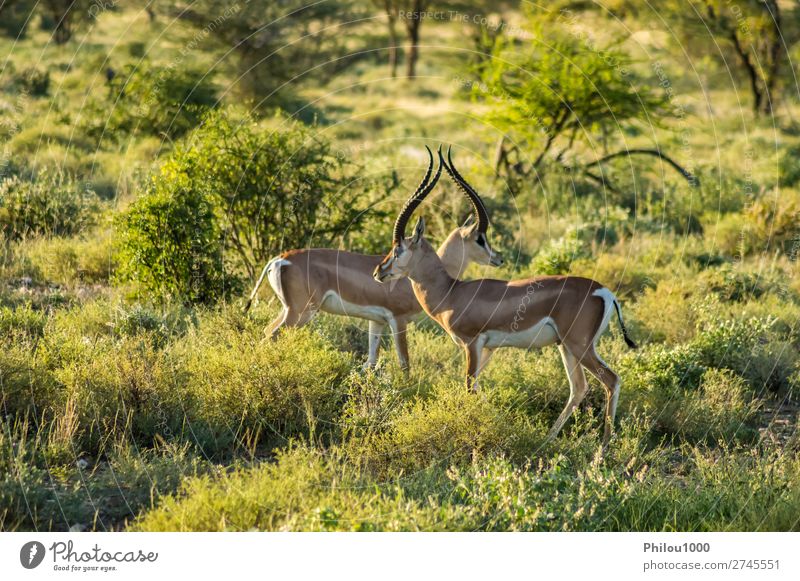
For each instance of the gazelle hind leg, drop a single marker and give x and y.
(610, 381)
(290, 317)
(375, 332)
(578, 387)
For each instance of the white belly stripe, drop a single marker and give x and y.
(539, 335)
(333, 303)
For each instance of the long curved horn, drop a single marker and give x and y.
(480, 210)
(423, 190)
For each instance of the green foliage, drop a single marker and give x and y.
(278, 45)
(149, 100)
(15, 18)
(560, 89)
(276, 187)
(34, 81)
(88, 259)
(558, 256)
(169, 239)
(44, 206)
(113, 410)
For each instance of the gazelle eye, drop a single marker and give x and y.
(480, 240)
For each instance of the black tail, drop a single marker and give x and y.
(628, 341)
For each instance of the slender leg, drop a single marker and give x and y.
(275, 326)
(578, 387)
(375, 333)
(610, 381)
(290, 318)
(486, 354)
(473, 353)
(400, 336)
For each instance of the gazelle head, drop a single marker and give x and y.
(472, 245)
(469, 240)
(404, 257)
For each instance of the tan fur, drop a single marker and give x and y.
(340, 282)
(485, 314)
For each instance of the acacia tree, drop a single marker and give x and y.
(276, 42)
(555, 92)
(60, 16)
(411, 13)
(753, 29)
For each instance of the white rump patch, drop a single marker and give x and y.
(274, 276)
(609, 299)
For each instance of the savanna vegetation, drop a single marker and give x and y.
(154, 157)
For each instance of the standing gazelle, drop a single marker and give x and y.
(485, 314)
(341, 283)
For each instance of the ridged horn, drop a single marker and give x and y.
(423, 190)
(480, 210)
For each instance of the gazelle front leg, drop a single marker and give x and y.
(473, 352)
(400, 337)
(374, 333)
(578, 387)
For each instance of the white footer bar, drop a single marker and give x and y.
(411, 556)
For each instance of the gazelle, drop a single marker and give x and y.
(483, 315)
(341, 283)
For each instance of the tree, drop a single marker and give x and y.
(411, 13)
(754, 30)
(276, 42)
(169, 240)
(555, 92)
(390, 10)
(64, 16)
(274, 185)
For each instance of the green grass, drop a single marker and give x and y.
(120, 414)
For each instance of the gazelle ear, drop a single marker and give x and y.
(419, 230)
(469, 221)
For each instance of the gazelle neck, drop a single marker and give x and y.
(430, 279)
(452, 253)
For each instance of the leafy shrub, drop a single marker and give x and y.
(34, 81)
(248, 392)
(277, 188)
(558, 256)
(169, 240)
(452, 427)
(47, 206)
(665, 313)
(735, 284)
(20, 324)
(15, 18)
(151, 100)
(303, 490)
(27, 388)
(720, 409)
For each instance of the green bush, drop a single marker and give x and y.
(277, 187)
(151, 100)
(304, 490)
(558, 256)
(170, 240)
(450, 428)
(34, 81)
(44, 206)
